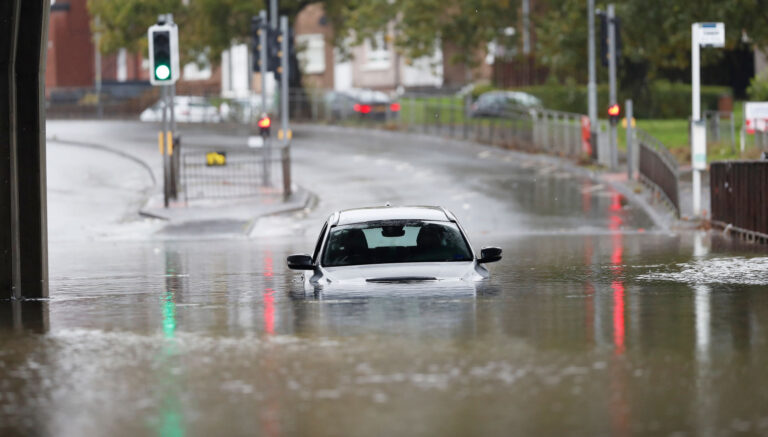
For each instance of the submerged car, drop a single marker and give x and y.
(392, 245)
(500, 103)
(188, 109)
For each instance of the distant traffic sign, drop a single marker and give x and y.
(710, 34)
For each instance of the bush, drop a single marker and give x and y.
(758, 88)
(662, 99)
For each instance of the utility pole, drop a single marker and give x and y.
(612, 77)
(592, 86)
(273, 14)
(284, 77)
(526, 27)
(97, 66)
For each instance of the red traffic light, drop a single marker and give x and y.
(264, 122)
(614, 110)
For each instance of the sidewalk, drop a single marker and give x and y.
(216, 217)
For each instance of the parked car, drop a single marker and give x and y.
(497, 103)
(392, 245)
(362, 104)
(188, 109)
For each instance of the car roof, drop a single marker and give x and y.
(380, 213)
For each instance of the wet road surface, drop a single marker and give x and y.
(594, 323)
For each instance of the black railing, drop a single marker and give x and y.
(219, 173)
(658, 169)
(739, 193)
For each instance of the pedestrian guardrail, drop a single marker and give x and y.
(534, 129)
(220, 173)
(658, 169)
(739, 194)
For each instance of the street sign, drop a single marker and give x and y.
(710, 34)
(699, 146)
(756, 116)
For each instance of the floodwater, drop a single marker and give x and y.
(575, 334)
(594, 323)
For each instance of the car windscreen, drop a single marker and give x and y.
(395, 241)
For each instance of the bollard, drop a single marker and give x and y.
(286, 161)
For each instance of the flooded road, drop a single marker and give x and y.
(593, 323)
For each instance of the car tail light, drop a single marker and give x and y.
(394, 107)
(356, 107)
(363, 109)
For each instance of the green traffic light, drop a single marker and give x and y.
(162, 72)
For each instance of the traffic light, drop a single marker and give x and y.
(257, 24)
(264, 123)
(277, 43)
(274, 50)
(604, 43)
(613, 114)
(163, 54)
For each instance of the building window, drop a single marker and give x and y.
(377, 52)
(312, 52)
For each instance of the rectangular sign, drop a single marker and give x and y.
(710, 34)
(699, 146)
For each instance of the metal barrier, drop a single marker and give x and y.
(235, 172)
(535, 129)
(739, 193)
(658, 169)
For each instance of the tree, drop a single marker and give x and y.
(210, 26)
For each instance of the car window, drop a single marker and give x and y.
(319, 244)
(395, 241)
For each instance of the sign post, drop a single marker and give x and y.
(706, 35)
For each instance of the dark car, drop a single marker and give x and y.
(499, 103)
(392, 245)
(361, 104)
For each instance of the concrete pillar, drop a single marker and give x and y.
(23, 223)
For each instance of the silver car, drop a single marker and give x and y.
(392, 245)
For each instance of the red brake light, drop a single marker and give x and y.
(365, 109)
(356, 107)
(394, 107)
(265, 122)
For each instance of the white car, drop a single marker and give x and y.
(188, 109)
(392, 245)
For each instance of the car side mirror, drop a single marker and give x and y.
(300, 262)
(489, 255)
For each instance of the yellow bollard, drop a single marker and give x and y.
(160, 142)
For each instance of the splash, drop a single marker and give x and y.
(734, 270)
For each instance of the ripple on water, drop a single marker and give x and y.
(732, 270)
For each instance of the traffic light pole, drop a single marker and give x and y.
(164, 144)
(284, 76)
(612, 80)
(263, 55)
(592, 86)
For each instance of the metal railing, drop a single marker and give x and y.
(739, 194)
(658, 169)
(219, 173)
(534, 129)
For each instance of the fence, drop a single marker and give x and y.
(232, 172)
(658, 169)
(739, 193)
(533, 129)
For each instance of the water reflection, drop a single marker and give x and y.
(18, 316)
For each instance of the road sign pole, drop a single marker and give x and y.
(612, 77)
(592, 86)
(263, 57)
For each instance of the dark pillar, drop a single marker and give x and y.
(9, 229)
(23, 216)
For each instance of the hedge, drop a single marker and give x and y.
(661, 100)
